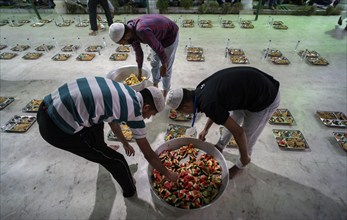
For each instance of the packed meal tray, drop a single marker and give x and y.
(66, 23)
(196, 50)
(119, 56)
(195, 57)
(290, 139)
(232, 143)
(46, 20)
(309, 53)
(333, 119)
(188, 23)
(2, 46)
(341, 138)
(320, 61)
(94, 48)
(176, 131)
(44, 47)
(33, 105)
(85, 57)
(126, 132)
(32, 56)
(273, 53)
(7, 55)
(61, 57)
(20, 47)
(282, 117)
(228, 25)
(199, 181)
(123, 48)
(227, 22)
(69, 48)
(280, 27)
(5, 101)
(19, 123)
(205, 23)
(280, 60)
(277, 23)
(246, 24)
(239, 59)
(178, 116)
(236, 52)
(37, 24)
(82, 24)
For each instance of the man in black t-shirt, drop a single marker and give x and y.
(242, 99)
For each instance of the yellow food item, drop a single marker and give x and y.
(133, 80)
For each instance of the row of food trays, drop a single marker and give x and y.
(42, 22)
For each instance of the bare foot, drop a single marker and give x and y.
(114, 147)
(234, 171)
(93, 33)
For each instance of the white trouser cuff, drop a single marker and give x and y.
(239, 164)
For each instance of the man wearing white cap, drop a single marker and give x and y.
(72, 118)
(242, 99)
(161, 34)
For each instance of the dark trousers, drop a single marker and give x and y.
(88, 143)
(92, 6)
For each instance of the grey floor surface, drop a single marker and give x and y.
(39, 181)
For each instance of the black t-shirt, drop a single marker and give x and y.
(235, 88)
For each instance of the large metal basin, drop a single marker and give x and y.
(204, 146)
(121, 73)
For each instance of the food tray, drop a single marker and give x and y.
(247, 26)
(282, 117)
(7, 56)
(280, 27)
(46, 20)
(333, 119)
(64, 24)
(247, 22)
(2, 46)
(309, 53)
(178, 116)
(236, 52)
(205, 22)
(32, 56)
(341, 138)
(123, 48)
(187, 25)
(320, 61)
(33, 105)
(176, 131)
(42, 47)
(195, 57)
(228, 25)
(94, 48)
(37, 24)
(239, 59)
(19, 123)
(232, 143)
(85, 57)
(61, 57)
(5, 101)
(290, 139)
(195, 50)
(277, 22)
(188, 21)
(126, 132)
(206, 25)
(82, 24)
(280, 60)
(119, 56)
(69, 48)
(273, 53)
(20, 47)
(227, 22)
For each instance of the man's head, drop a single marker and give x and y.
(181, 100)
(153, 101)
(120, 33)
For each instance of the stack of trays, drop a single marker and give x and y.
(195, 54)
(237, 56)
(276, 57)
(205, 23)
(313, 57)
(279, 25)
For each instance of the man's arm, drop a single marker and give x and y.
(153, 159)
(240, 138)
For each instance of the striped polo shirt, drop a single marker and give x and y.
(93, 100)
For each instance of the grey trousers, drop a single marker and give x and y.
(253, 124)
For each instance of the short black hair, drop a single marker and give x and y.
(147, 98)
(188, 96)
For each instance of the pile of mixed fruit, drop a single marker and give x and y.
(200, 177)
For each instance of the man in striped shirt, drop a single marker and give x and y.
(72, 118)
(161, 35)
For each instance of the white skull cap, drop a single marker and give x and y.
(158, 98)
(174, 98)
(116, 31)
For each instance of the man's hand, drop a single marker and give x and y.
(172, 176)
(139, 76)
(202, 135)
(129, 150)
(163, 70)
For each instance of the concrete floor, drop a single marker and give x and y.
(39, 181)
